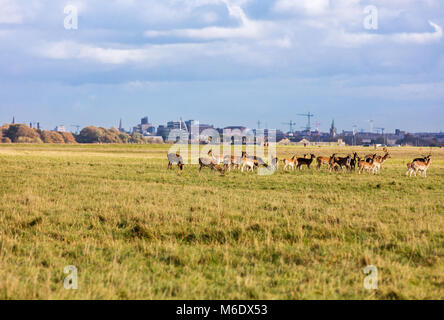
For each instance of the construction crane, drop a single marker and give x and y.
(77, 127)
(291, 124)
(381, 129)
(309, 116)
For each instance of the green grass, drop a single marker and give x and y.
(136, 230)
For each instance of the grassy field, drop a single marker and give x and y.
(135, 230)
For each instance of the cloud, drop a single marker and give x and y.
(10, 12)
(349, 39)
(309, 7)
(247, 28)
(420, 38)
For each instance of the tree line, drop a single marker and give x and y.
(21, 133)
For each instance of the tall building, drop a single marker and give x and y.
(333, 130)
(145, 127)
(120, 126)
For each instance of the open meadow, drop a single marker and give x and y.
(136, 230)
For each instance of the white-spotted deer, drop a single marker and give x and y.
(367, 166)
(420, 165)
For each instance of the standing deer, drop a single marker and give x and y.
(364, 165)
(321, 161)
(305, 162)
(290, 163)
(419, 165)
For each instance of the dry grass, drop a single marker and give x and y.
(136, 230)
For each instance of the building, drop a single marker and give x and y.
(60, 129)
(145, 127)
(333, 130)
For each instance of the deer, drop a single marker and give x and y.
(340, 162)
(206, 162)
(354, 162)
(364, 165)
(258, 162)
(217, 159)
(305, 162)
(369, 157)
(379, 160)
(420, 165)
(247, 162)
(322, 160)
(423, 158)
(290, 163)
(175, 159)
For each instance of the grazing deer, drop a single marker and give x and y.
(305, 162)
(364, 165)
(174, 159)
(419, 165)
(216, 159)
(321, 161)
(206, 162)
(290, 163)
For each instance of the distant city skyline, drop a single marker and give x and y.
(224, 62)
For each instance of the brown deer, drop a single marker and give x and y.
(378, 161)
(423, 158)
(322, 160)
(305, 162)
(290, 163)
(206, 162)
(419, 165)
(175, 159)
(364, 165)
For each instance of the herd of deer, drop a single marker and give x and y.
(371, 163)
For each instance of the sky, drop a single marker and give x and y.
(224, 62)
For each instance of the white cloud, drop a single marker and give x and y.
(247, 28)
(10, 12)
(309, 7)
(420, 38)
(348, 39)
